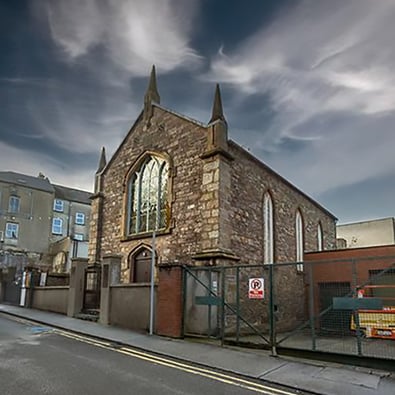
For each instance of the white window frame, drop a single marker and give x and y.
(11, 230)
(56, 227)
(268, 229)
(58, 205)
(14, 199)
(299, 240)
(79, 218)
(79, 236)
(320, 237)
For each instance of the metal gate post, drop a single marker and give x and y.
(238, 304)
(311, 305)
(184, 299)
(272, 318)
(355, 313)
(209, 306)
(222, 306)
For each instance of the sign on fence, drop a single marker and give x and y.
(256, 288)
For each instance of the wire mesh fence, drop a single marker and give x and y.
(342, 306)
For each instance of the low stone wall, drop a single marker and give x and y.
(51, 299)
(129, 306)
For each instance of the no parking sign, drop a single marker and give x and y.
(256, 288)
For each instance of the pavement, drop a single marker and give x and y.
(312, 376)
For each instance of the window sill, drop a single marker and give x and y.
(146, 235)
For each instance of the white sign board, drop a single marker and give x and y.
(256, 288)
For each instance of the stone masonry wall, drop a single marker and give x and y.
(183, 142)
(250, 181)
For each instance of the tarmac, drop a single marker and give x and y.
(311, 376)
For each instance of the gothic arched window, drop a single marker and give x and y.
(320, 237)
(147, 197)
(299, 240)
(268, 229)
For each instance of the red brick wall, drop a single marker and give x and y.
(169, 307)
(366, 259)
(337, 265)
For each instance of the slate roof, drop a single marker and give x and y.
(72, 195)
(40, 183)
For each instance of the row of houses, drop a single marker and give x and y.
(42, 225)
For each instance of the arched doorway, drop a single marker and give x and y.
(140, 266)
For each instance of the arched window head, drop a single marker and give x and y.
(299, 240)
(140, 266)
(320, 238)
(268, 229)
(147, 197)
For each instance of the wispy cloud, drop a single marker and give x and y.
(134, 33)
(32, 163)
(326, 66)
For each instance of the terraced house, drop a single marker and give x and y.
(209, 202)
(42, 225)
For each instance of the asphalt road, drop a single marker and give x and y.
(35, 359)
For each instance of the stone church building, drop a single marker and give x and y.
(208, 200)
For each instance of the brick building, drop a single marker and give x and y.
(209, 201)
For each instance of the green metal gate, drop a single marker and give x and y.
(309, 306)
(216, 304)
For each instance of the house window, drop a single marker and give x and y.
(13, 205)
(147, 197)
(11, 230)
(299, 240)
(268, 229)
(79, 236)
(80, 218)
(320, 238)
(58, 205)
(57, 226)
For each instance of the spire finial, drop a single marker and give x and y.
(217, 112)
(103, 161)
(152, 91)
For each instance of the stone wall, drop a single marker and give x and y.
(124, 311)
(250, 180)
(182, 142)
(53, 299)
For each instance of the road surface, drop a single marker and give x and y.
(35, 359)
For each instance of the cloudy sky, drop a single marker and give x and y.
(308, 86)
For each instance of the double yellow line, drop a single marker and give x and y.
(185, 367)
(182, 366)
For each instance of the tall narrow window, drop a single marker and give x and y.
(268, 229)
(80, 218)
(11, 230)
(147, 204)
(320, 238)
(14, 203)
(58, 205)
(299, 241)
(57, 226)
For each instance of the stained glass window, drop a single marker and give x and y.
(299, 240)
(268, 229)
(148, 197)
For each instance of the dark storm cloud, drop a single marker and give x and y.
(307, 86)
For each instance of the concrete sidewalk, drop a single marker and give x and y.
(318, 377)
